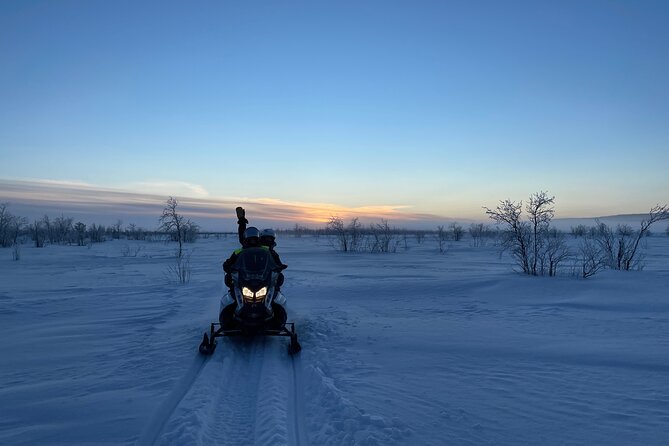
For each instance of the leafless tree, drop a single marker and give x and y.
(10, 227)
(80, 230)
(181, 230)
(38, 233)
(116, 229)
(579, 230)
(540, 210)
(456, 231)
(96, 233)
(441, 238)
(516, 233)
(536, 249)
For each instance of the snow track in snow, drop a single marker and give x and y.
(247, 393)
(297, 435)
(160, 417)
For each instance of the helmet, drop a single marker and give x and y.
(268, 233)
(267, 237)
(251, 234)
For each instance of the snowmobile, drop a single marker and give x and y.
(257, 307)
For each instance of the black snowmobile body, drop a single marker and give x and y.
(256, 308)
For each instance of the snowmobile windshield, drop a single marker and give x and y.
(255, 263)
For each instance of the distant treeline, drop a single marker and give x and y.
(64, 230)
(347, 236)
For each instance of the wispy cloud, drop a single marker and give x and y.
(180, 188)
(64, 197)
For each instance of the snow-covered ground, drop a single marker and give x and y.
(414, 347)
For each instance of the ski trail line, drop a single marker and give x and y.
(164, 412)
(296, 431)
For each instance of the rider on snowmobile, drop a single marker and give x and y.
(250, 239)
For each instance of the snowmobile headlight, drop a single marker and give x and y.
(262, 292)
(247, 292)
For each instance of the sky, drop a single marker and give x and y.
(407, 110)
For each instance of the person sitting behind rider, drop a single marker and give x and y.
(268, 239)
(251, 239)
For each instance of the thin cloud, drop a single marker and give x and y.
(169, 188)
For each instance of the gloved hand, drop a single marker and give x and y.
(241, 215)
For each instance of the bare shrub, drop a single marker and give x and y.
(80, 231)
(345, 237)
(590, 260)
(130, 251)
(190, 232)
(116, 230)
(337, 231)
(534, 247)
(579, 230)
(16, 252)
(620, 249)
(420, 236)
(382, 238)
(133, 232)
(10, 227)
(515, 232)
(96, 233)
(180, 271)
(554, 253)
(479, 233)
(59, 230)
(442, 237)
(456, 231)
(38, 233)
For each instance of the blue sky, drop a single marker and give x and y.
(432, 108)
